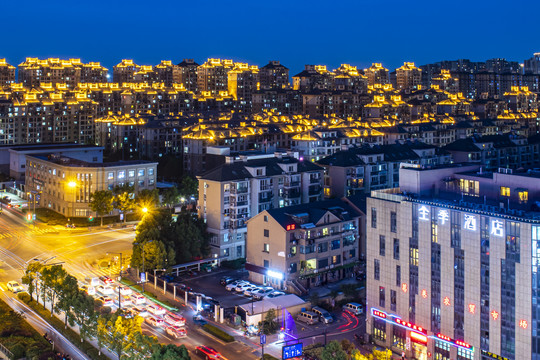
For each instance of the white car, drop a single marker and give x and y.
(124, 290)
(250, 290)
(138, 299)
(240, 288)
(274, 294)
(176, 331)
(89, 290)
(261, 293)
(231, 286)
(126, 300)
(154, 321)
(156, 309)
(174, 320)
(15, 287)
(105, 290)
(140, 311)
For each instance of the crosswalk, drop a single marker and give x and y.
(16, 234)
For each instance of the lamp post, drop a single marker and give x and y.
(119, 278)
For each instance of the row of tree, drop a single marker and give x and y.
(343, 350)
(166, 241)
(121, 335)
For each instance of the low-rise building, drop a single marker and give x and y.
(65, 185)
(303, 246)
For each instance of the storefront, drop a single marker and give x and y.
(267, 276)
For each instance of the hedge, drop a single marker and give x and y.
(217, 332)
(269, 357)
(70, 334)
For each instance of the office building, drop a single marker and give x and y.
(453, 262)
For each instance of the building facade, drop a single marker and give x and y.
(452, 264)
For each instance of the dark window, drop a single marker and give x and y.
(393, 221)
(323, 263)
(382, 299)
(376, 269)
(396, 249)
(293, 267)
(398, 275)
(335, 244)
(266, 233)
(393, 300)
(382, 245)
(374, 218)
(266, 264)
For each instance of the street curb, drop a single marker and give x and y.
(215, 338)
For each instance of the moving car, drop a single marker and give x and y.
(89, 290)
(353, 308)
(105, 290)
(174, 320)
(138, 299)
(176, 331)
(106, 280)
(208, 353)
(156, 309)
(140, 311)
(14, 286)
(124, 290)
(126, 300)
(154, 321)
(199, 320)
(107, 301)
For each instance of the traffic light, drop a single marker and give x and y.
(90, 218)
(29, 216)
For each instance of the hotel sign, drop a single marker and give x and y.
(493, 356)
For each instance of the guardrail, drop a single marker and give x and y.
(4, 350)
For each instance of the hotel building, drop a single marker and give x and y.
(453, 257)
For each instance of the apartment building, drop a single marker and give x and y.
(246, 185)
(359, 170)
(274, 76)
(303, 246)
(408, 76)
(212, 75)
(243, 81)
(377, 74)
(452, 272)
(33, 72)
(7, 73)
(188, 74)
(124, 72)
(65, 185)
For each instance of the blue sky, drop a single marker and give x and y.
(296, 32)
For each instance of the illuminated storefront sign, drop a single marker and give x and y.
(275, 274)
(419, 338)
(497, 228)
(395, 320)
(492, 355)
(291, 227)
(424, 212)
(378, 313)
(469, 222)
(458, 343)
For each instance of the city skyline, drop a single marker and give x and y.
(235, 32)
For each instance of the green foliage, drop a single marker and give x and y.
(269, 357)
(270, 325)
(234, 264)
(170, 352)
(30, 277)
(124, 199)
(189, 186)
(349, 290)
(102, 203)
(190, 238)
(333, 351)
(53, 278)
(147, 198)
(217, 332)
(171, 196)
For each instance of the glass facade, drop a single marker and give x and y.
(535, 292)
(435, 275)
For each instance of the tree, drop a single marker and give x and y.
(123, 198)
(101, 202)
(189, 186)
(334, 351)
(156, 255)
(83, 314)
(148, 198)
(69, 289)
(191, 239)
(171, 196)
(53, 278)
(270, 324)
(170, 352)
(31, 278)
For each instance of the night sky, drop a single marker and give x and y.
(294, 32)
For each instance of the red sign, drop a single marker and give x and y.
(291, 227)
(409, 325)
(417, 337)
(378, 313)
(459, 343)
(444, 337)
(462, 344)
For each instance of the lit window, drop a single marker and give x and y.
(121, 174)
(141, 172)
(266, 248)
(110, 176)
(505, 191)
(131, 173)
(523, 196)
(151, 171)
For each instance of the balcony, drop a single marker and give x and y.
(239, 190)
(291, 184)
(266, 197)
(291, 194)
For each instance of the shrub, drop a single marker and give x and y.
(24, 297)
(233, 264)
(217, 332)
(269, 357)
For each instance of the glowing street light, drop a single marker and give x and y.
(72, 184)
(144, 209)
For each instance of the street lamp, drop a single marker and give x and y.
(119, 278)
(144, 210)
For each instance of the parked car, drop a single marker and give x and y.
(156, 309)
(106, 280)
(308, 317)
(324, 315)
(235, 283)
(154, 321)
(174, 319)
(167, 277)
(140, 311)
(199, 320)
(241, 287)
(354, 308)
(185, 287)
(226, 280)
(14, 287)
(104, 290)
(107, 301)
(138, 299)
(261, 293)
(192, 273)
(249, 290)
(176, 331)
(274, 294)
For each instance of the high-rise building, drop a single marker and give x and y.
(33, 72)
(167, 72)
(274, 76)
(408, 76)
(188, 74)
(124, 72)
(453, 262)
(532, 65)
(314, 77)
(243, 81)
(212, 75)
(7, 73)
(377, 74)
